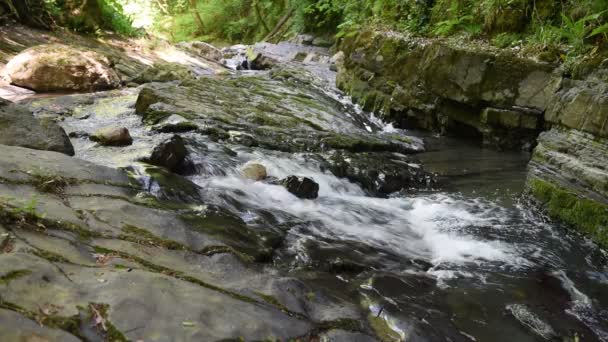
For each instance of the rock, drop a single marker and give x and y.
(56, 67)
(18, 127)
(531, 321)
(568, 177)
(442, 87)
(322, 42)
(337, 335)
(337, 61)
(112, 136)
(79, 134)
(175, 124)
(302, 187)
(164, 72)
(16, 327)
(379, 173)
(254, 171)
(256, 60)
(170, 154)
(203, 49)
(304, 39)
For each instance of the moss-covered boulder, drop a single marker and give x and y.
(429, 83)
(56, 67)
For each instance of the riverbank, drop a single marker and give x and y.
(265, 205)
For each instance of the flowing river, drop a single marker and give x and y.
(463, 259)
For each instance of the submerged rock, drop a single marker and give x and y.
(302, 187)
(112, 136)
(56, 67)
(19, 127)
(254, 171)
(170, 154)
(527, 318)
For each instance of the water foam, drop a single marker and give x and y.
(431, 227)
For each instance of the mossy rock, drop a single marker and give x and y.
(584, 214)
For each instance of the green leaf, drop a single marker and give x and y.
(600, 30)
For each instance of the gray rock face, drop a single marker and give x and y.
(568, 174)
(170, 154)
(18, 127)
(302, 187)
(439, 86)
(112, 263)
(59, 67)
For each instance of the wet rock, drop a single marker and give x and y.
(18, 127)
(379, 173)
(169, 187)
(531, 321)
(170, 154)
(175, 124)
(302, 187)
(164, 72)
(337, 335)
(78, 134)
(58, 67)
(112, 136)
(256, 60)
(254, 171)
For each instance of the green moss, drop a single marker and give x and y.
(142, 236)
(12, 275)
(52, 184)
(382, 329)
(588, 216)
(50, 256)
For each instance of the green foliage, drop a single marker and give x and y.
(505, 40)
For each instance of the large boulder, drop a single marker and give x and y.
(19, 127)
(56, 67)
(112, 136)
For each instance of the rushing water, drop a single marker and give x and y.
(465, 261)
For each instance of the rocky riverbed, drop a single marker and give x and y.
(205, 203)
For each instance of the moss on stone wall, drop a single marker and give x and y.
(584, 214)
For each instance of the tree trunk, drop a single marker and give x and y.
(258, 12)
(280, 24)
(197, 17)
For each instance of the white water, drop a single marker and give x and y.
(430, 227)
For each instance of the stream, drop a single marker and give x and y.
(463, 259)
